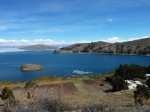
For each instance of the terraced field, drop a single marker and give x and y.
(80, 91)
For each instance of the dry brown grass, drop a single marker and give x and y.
(86, 93)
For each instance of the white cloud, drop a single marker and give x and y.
(4, 42)
(3, 27)
(13, 42)
(113, 40)
(138, 38)
(117, 39)
(109, 19)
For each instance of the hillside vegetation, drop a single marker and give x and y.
(138, 47)
(95, 93)
(37, 47)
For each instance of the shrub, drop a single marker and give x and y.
(96, 108)
(131, 71)
(45, 103)
(142, 93)
(8, 97)
(118, 84)
(148, 83)
(109, 79)
(30, 84)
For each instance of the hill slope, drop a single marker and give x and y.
(37, 47)
(139, 47)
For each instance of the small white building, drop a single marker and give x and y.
(133, 85)
(138, 82)
(147, 75)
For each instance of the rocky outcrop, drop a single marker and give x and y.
(38, 47)
(31, 67)
(138, 47)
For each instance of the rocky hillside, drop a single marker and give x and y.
(139, 47)
(38, 47)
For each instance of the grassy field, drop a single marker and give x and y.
(75, 91)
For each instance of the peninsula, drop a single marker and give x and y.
(38, 47)
(136, 47)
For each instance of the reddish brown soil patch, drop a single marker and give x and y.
(69, 88)
(89, 82)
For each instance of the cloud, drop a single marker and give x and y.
(3, 27)
(114, 39)
(130, 39)
(117, 39)
(109, 19)
(13, 42)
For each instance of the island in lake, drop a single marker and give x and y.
(31, 67)
(38, 47)
(136, 47)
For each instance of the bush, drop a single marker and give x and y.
(30, 84)
(148, 83)
(45, 103)
(142, 93)
(109, 79)
(8, 97)
(96, 108)
(118, 84)
(131, 71)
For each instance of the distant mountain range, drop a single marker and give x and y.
(38, 47)
(138, 47)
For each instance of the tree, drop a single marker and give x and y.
(131, 71)
(28, 96)
(148, 82)
(30, 85)
(141, 94)
(109, 79)
(118, 84)
(8, 97)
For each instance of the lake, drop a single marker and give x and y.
(65, 65)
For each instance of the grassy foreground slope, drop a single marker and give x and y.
(75, 92)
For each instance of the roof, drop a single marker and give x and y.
(133, 85)
(138, 82)
(147, 74)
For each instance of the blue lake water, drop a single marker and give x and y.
(62, 64)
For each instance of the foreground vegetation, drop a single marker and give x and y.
(90, 94)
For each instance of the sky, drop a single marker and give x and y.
(60, 22)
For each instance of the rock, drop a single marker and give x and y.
(31, 67)
(56, 51)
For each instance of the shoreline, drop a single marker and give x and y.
(101, 53)
(55, 77)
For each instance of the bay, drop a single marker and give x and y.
(65, 65)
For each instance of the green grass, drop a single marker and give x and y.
(95, 77)
(102, 77)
